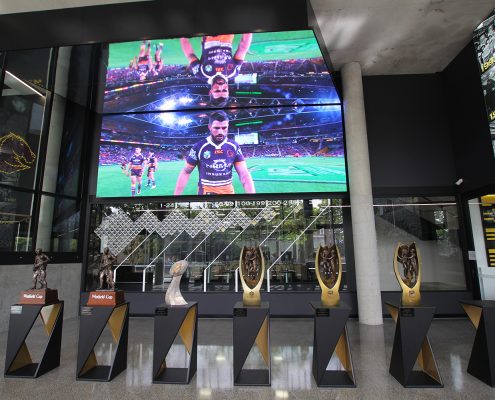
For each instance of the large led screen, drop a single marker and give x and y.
(241, 70)
(233, 151)
(484, 42)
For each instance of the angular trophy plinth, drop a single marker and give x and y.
(411, 346)
(92, 322)
(482, 360)
(106, 298)
(39, 296)
(18, 360)
(330, 337)
(172, 321)
(251, 326)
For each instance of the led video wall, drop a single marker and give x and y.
(230, 114)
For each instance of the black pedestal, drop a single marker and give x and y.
(171, 321)
(251, 325)
(330, 335)
(18, 362)
(482, 360)
(92, 322)
(411, 344)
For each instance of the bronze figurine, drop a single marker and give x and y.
(106, 269)
(410, 279)
(251, 271)
(329, 273)
(40, 263)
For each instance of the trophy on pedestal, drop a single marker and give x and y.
(43, 295)
(173, 297)
(34, 303)
(251, 271)
(329, 273)
(106, 295)
(410, 278)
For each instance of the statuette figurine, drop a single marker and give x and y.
(328, 267)
(410, 276)
(106, 269)
(251, 271)
(41, 261)
(173, 297)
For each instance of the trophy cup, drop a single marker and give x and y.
(410, 279)
(328, 268)
(252, 270)
(173, 297)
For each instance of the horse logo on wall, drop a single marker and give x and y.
(15, 154)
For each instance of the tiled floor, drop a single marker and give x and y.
(291, 341)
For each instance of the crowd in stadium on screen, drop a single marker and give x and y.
(123, 76)
(116, 154)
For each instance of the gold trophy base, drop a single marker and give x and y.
(411, 297)
(330, 297)
(251, 298)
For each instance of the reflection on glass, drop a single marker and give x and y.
(15, 220)
(148, 238)
(432, 223)
(21, 116)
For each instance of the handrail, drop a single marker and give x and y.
(294, 241)
(144, 276)
(131, 253)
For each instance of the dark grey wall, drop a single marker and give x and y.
(472, 148)
(151, 19)
(408, 133)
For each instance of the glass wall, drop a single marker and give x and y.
(433, 224)
(148, 238)
(43, 119)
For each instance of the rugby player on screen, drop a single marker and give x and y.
(215, 156)
(137, 163)
(143, 64)
(217, 64)
(152, 167)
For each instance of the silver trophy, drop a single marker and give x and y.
(173, 297)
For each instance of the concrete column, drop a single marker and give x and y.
(363, 219)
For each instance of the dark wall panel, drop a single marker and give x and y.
(152, 19)
(408, 132)
(472, 147)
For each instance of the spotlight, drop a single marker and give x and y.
(459, 181)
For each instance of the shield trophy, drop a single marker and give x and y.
(252, 271)
(410, 278)
(328, 268)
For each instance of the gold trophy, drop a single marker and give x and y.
(410, 279)
(328, 268)
(251, 271)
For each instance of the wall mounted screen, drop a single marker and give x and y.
(484, 42)
(216, 115)
(252, 69)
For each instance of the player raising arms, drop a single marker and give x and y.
(152, 167)
(215, 157)
(143, 64)
(137, 162)
(217, 61)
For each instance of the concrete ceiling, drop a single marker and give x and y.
(385, 36)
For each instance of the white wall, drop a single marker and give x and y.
(66, 278)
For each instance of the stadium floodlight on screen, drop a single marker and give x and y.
(216, 115)
(251, 69)
(484, 42)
